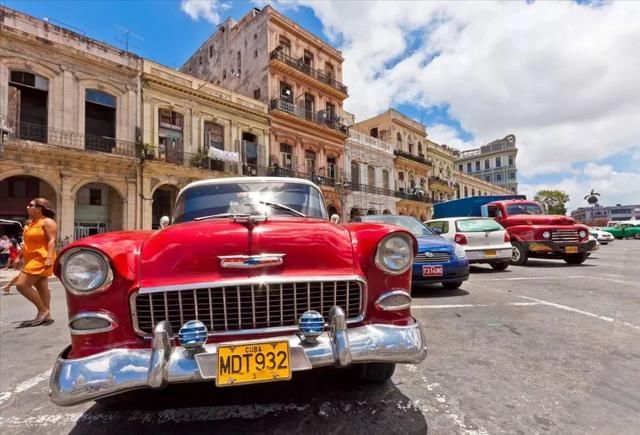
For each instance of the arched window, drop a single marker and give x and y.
(99, 121)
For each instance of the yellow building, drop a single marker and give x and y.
(412, 168)
(441, 182)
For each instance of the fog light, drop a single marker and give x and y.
(546, 235)
(311, 325)
(193, 334)
(90, 323)
(394, 300)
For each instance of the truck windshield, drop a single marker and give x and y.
(524, 209)
(478, 225)
(255, 198)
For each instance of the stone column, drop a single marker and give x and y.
(66, 210)
(130, 208)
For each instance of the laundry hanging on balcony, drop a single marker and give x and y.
(225, 156)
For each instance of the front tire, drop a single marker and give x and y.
(375, 373)
(500, 266)
(575, 258)
(636, 236)
(452, 285)
(519, 255)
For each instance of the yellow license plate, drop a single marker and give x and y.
(249, 363)
(490, 253)
(571, 249)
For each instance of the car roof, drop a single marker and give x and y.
(232, 180)
(461, 218)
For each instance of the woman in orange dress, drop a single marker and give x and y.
(39, 255)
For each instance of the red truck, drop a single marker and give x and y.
(534, 234)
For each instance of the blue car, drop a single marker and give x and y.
(438, 260)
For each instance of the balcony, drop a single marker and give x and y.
(190, 160)
(324, 118)
(356, 187)
(412, 195)
(71, 140)
(299, 65)
(409, 156)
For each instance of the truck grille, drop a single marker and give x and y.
(435, 257)
(565, 236)
(248, 306)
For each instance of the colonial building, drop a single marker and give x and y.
(71, 106)
(268, 57)
(106, 136)
(467, 185)
(193, 130)
(601, 215)
(411, 165)
(494, 163)
(370, 167)
(441, 182)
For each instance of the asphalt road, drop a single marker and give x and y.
(544, 348)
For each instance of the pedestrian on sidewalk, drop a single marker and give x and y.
(6, 289)
(39, 255)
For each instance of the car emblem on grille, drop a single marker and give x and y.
(428, 254)
(251, 261)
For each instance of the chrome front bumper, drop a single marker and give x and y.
(118, 370)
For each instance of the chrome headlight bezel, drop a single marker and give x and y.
(583, 234)
(460, 251)
(382, 303)
(380, 261)
(102, 284)
(546, 235)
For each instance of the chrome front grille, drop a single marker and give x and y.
(246, 306)
(432, 257)
(565, 236)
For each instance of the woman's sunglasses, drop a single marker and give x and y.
(32, 205)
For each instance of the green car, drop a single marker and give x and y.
(626, 230)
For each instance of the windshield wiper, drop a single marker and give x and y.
(222, 215)
(283, 207)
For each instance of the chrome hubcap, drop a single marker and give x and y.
(515, 254)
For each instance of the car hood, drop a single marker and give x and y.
(190, 252)
(536, 219)
(434, 244)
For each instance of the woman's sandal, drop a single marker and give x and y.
(39, 320)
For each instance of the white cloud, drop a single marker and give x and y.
(208, 10)
(562, 77)
(447, 135)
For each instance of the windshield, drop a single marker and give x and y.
(478, 225)
(249, 198)
(524, 209)
(416, 227)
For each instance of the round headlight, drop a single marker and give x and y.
(582, 234)
(85, 271)
(395, 254)
(546, 235)
(460, 252)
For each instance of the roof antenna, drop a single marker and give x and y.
(125, 37)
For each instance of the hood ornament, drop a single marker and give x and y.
(251, 261)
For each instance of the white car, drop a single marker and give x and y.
(483, 239)
(602, 236)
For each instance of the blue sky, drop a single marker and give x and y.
(469, 84)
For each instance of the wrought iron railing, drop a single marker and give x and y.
(298, 64)
(324, 117)
(69, 139)
(413, 196)
(413, 157)
(199, 160)
(357, 187)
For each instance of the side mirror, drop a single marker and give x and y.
(164, 222)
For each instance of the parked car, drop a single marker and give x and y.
(625, 230)
(596, 245)
(249, 283)
(438, 260)
(483, 239)
(602, 236)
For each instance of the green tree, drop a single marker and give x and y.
(555, 200)
(592, 197)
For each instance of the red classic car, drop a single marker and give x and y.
(249, 283)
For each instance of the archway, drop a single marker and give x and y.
(99, 208)
(164, 198)
(15, 194)
(331, 209)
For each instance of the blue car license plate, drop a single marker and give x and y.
(430, 271)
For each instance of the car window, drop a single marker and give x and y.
(524, 209)
(477, 225)
(412, 224)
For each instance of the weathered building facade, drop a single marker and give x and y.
(441, 182)
(268, 57)
(467, 185)
(412, 167)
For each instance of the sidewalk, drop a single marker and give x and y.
(8, 275)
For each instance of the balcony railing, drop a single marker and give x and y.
(324, 117)
(413, 195)
(191, 160)
(69, 139)
(372, 189)
(298, 64)
(410, 156)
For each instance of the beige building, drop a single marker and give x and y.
(467, 185)
(193, 130)
(106, 136)
(412, 168)
(441, 182)
(270, 58)
(71, 105)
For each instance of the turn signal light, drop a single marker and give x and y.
(460, 239)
